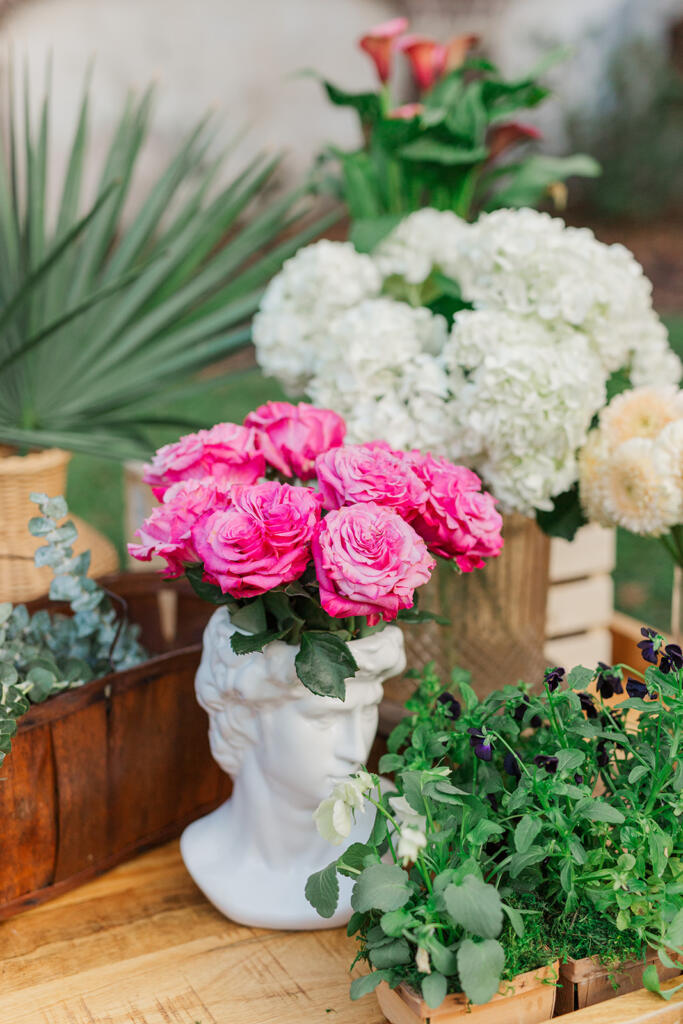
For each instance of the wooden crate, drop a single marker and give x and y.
(99, 773)
(581, 598)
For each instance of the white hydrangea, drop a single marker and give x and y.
(525, 406)
(423, 241)
(530, 263)
(379, 372)
(291, 327)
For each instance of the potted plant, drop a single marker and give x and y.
(104, 751)
(311, 548)
(493, 342)
(566, 801)
(105, 318)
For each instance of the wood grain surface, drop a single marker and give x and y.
(141, 945)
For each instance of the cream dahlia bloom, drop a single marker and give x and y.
(592, 465)
(669, 445)
(640, 494)
(642, 412)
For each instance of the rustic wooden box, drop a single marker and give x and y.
(587, 982)
(100, 773)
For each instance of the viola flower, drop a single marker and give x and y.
(410, 841)
(521, 709)
(511, 765)
(602, 757)
(578, 779)
(546, 761)
(427, 59)
(588, 705)
(334, 816)
(406, 112)
(480, 744)
(608, 682)
(672, 659)
(635, 688)
(450, 705)
(553, 677)
(493, 800)
(650, 646)
(380, 42)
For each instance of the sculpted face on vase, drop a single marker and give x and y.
(285, 748)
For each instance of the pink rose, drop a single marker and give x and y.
(261, 541)
(368, 561)
(460, 521)
(227, 451)
(362, 473)
(167, 531)
(291, 436)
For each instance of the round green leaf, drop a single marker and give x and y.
(480, 965)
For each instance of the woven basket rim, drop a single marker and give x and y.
(34, 462)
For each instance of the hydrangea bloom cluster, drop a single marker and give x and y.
(512, 387)
(357, 525)
(631, 468)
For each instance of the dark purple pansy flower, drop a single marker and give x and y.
(635, 688)
(608, 682)
(588, 705)
(511, 765)
(520, 711)
(450, 705)
(578, 779)
(480, 744)
(602, 757)
(650, 645)
(546, 761)
(553, 677)
(493, 800)
(672, 659)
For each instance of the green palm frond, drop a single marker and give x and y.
(101, 320)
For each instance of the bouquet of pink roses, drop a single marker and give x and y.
(306, 539)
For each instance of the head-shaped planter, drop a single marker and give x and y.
(285, 748)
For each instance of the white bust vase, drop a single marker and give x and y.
(285, 748)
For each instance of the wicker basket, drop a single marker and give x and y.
(20, 475)
(497, 617)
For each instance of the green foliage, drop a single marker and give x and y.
(43, 654)
(566, 841)
(103, 321)
(446, 156)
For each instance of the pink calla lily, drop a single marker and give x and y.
(427, 59)
(502, 136)
(407, 112)
(457, 50)
(380, 42)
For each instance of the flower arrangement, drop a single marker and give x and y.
(46, 653)
(494, 344)
(445, 149)
(561, 808)
(307, 539)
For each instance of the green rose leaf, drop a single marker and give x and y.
(525, 833)
(207, 591)
(475, 906)
(368, 983)
(381, 887)
(418, 615)
(251, 617)
(322, 890)
(480, 965)
(324, 663)
(249, 643)
(434, 987)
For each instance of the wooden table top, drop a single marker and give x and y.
(141, 945)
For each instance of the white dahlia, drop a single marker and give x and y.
(641, 412)
(640, 494)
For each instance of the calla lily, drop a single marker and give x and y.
(503, 136)
(380, 42)
(457, 50)
(427, 59)
(407, 112)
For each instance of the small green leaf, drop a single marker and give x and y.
(381, 887)
(207, 591)
(368, 983)
(322, 890)
(444, 959)
(597, 810)
(434, 988)
(674, 933)
(351, 862)
(367, 232)
(569, 760)
(248, 643)
(579, 678)
(394, 922)
(525, 833)
(475, 906)
(391, 954)
(519, 862)
(637, 773)
(480, 965)
(515, 919)
(324, 663)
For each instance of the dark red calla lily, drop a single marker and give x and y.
(380, 42)
(457, 49)
(427, 59)
(502, 136)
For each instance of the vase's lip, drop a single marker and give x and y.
(33, 462)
